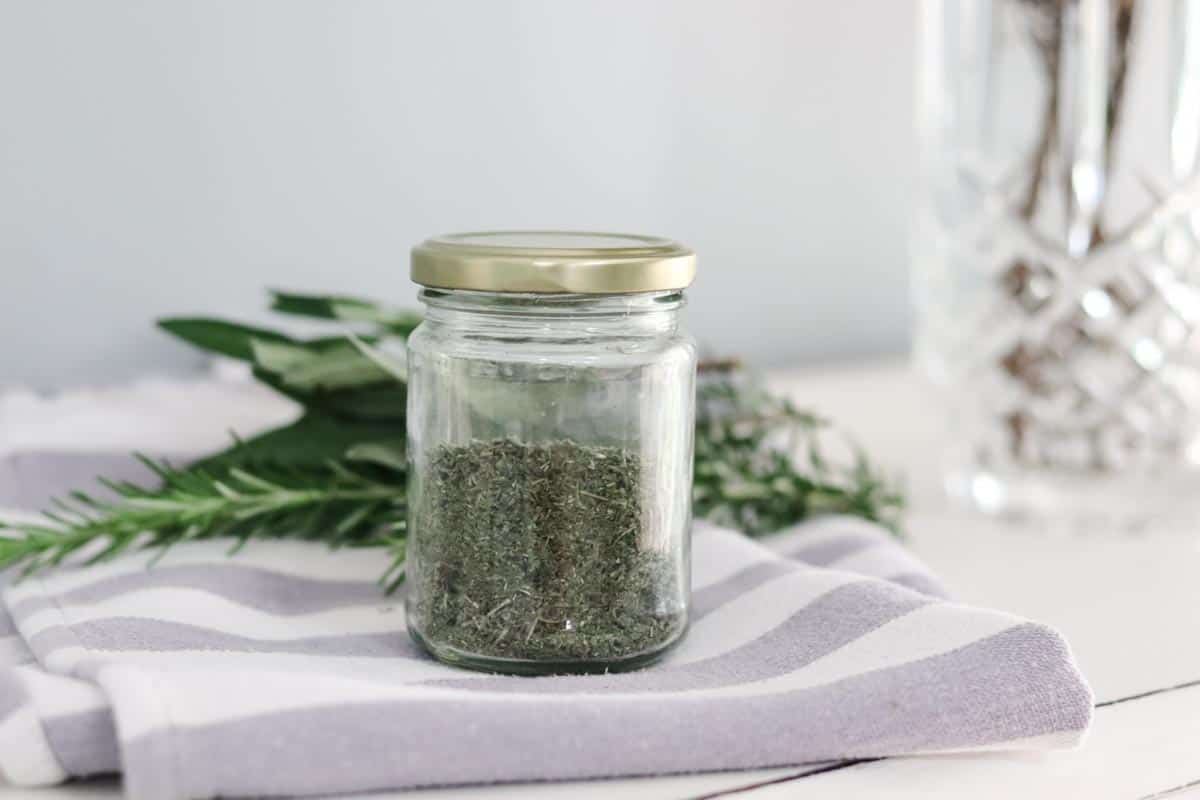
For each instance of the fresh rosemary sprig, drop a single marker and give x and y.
(337, 475)
(341, 504)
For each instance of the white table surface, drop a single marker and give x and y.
(1128, 604)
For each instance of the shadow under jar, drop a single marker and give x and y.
(550, 427)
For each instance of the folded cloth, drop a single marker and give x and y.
(283, 671)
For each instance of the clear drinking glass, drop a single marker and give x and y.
(550, 448)
(1057, 252)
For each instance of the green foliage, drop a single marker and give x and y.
(230, 339)
(341, 505)
(310, 441)
(760, 463)
(338, 473)
(330, 375)
(347, 309)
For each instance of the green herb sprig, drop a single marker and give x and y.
(341, 504)
(337, 475)
(761, 464)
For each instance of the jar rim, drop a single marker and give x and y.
(553, 262)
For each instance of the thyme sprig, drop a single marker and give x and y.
(761, 463)
(337, 475)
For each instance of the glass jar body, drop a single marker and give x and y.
(550, 453)
(1056, 256)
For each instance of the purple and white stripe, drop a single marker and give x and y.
(284, 672)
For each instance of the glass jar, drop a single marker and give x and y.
(550, 427)
(1057, 256)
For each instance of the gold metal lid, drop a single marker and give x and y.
(553, 262)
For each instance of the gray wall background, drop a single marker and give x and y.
(161, 156)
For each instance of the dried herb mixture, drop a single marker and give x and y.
(537, 551)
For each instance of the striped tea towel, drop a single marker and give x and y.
(283, 672)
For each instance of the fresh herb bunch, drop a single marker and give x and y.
(338, 473)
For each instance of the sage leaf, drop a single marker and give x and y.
(346, 309)
(218, 336)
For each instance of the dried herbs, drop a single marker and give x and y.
(539, 552)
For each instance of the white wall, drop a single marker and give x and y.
(165, 156)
